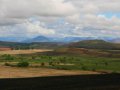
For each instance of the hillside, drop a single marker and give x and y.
(14, 45)
(34, 45)
(88, 44)
(95, 44)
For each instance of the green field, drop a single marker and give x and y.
(66, 62)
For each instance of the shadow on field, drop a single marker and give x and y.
(78, 82)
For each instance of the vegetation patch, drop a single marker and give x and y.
(23, 64)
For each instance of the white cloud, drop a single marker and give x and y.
(28, 8)
(27, 29)
(36, 29)
(12, 10)
(90, 16)
(95, 6)
(16, 16)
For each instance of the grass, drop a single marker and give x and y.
(68, 62)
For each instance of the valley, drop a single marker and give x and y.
(76, 62)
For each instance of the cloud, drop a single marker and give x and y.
(11, 11)
(95, 6)
(59, 18)
(91, 16)
(28, 8)
(27, 30)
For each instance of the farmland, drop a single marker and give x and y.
(11, 52)
(62, 61)
(60, 69)
(15, 72)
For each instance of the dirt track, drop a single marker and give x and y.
(13, 72)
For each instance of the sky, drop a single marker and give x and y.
(59, 18)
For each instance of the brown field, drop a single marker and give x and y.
(14, 72)
(24, 51)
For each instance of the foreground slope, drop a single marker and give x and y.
(76, 82)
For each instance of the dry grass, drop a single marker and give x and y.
(24, 51)
(14, 72)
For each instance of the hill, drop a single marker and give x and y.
(13, 45)
(88, 44)
(95, 44)
(34, 45)
(75, 39)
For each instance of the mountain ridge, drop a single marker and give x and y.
(95, 44)
(68, 39)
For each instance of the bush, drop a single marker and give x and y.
(51, 63)
(58, 63)
(84, 68)
(7, 64)
(43, 64)
(23, 64)
(93, 69)
(8, 57)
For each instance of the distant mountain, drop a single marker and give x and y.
(12, 39)
(57, 39)
(70, 39)
(76, 39)
(95, 44)
(38, 39)
(116, 40)
(51, 39)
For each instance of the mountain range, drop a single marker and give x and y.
(56, 39)
(88, 44)
(12, 39)
(70, 39)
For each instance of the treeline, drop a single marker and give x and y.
(37, 45)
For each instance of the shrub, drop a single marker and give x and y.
(43, 64)
(8, 57)
(51, 63)
(93, 69)
(23, 64)
(58, 63)
(84, 68)
(7, 64)
(106, 63)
